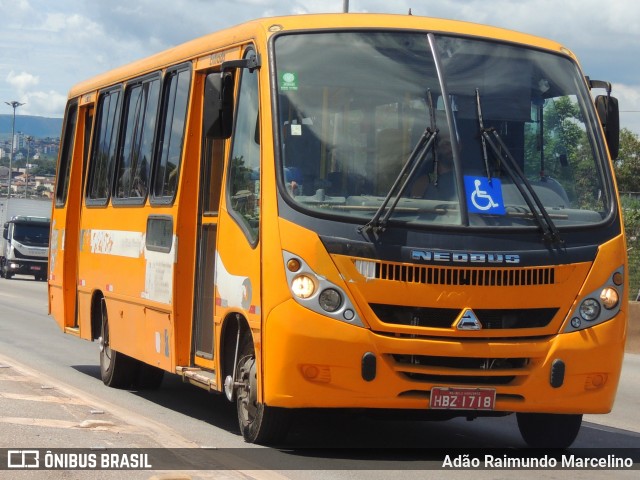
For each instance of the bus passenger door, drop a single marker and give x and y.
(229, 270)
(65, 222)
(210, 185)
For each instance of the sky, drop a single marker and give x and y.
(46, 46)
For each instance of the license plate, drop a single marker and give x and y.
(447, 398)
(37, 269)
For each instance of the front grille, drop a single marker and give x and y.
(491, 319)
(460, 370)
(430, 275)
(17, 254)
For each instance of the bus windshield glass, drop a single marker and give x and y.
(31, 235)
(354, 106)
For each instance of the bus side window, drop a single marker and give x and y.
(243, 188)
(104, 149)
(64, 168)
(134, 158)
(171, 135)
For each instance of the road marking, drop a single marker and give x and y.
(42, 398)
(163, 435)
(38, 422)
(13, 378)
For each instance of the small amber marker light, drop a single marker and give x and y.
(293, 265)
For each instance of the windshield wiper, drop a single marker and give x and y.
(379, 223)
(540, 214)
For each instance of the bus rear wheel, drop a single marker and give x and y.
(258, 422)
(548, 430)
(116, 369)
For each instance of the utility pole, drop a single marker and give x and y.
(14, 105)
(345, 6)
(26, 167)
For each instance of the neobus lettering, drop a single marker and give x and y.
(462, 257)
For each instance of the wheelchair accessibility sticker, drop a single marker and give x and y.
(484, 195)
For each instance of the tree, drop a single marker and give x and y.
(627, 166)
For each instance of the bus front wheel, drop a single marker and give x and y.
(548, 430)
(258, 422)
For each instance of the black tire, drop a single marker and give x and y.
(258, 422)
(116, 369)
(548, 430)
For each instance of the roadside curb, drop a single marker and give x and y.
(633, 328)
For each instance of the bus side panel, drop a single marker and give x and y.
(137, 284)
(141, 332)
(84, 314)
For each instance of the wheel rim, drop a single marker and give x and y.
(103, 341)
(247, 392)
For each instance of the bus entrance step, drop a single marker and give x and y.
(72, 330)
(198, 377)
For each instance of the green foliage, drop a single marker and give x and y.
(627, 166)
(627, 169)
(567, 156)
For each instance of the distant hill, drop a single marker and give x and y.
(39, 127)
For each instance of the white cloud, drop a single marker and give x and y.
(629, 103)
(48, 104)
(60, 43)
(22, 81)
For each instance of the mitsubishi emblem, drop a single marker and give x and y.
(469, 321)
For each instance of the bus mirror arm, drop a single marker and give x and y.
(599, 84)
(250, 63)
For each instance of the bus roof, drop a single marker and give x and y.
(264, 27)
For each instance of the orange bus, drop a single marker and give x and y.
(378, 212)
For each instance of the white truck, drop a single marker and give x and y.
(24, 248)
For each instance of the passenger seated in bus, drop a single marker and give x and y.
(293, 180)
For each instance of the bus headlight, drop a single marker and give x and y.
(317, 293)
(303, 286)
(590, 309)
(599, 305)
(330, 299)
(609, 298)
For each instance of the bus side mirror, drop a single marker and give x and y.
(218, 105)
(5, 231)
(607, 107)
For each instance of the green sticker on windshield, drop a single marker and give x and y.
(288, 81)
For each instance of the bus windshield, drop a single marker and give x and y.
(353, 108)
(31, 235)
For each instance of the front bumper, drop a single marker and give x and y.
(26, 267)
(311, 361)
